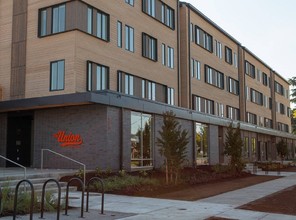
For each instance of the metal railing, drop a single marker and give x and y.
(11, 161)
(61, 155)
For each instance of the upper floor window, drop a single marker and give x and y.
(89, 20)
(130, 2)
(129, 38)
(228, 55)
(235, 60)
(160, 11)
(102, 25)
(57, 75)
(282, 127)
(203, 105)
(218, 49)
(58, 19)
(278, 88)
(171, 57)
(233, 86)
(214, 77)
(256, 97)
(251, 118)
(195, 69)
(171, 96)
(265, 80)
(289, 112)
(97, 77)
(43, 22)
(219, 109)
(259, 75)
(233, 113)
(119, 34)
(268, 123)
(250, 69)
(149, 47)
(203, 39)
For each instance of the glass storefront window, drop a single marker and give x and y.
(201, 139)
(141, 140)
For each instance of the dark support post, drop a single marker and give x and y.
(82, 196)
(59, 197)
(15, 198)
(102, 188)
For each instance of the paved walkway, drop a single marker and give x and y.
(223, 205)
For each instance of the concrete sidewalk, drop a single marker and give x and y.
(223, 205)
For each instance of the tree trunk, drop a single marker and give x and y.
(166, 172)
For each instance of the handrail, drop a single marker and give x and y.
(11, 161)
(61, 155)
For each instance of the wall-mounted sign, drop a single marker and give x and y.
(68, 140)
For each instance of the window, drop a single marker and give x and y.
(149, 47)
(247, 93)
(235, 60)
(259, 75)
(125, 83)
(130, 2)
(149, 7)
(251, 118)
(102, 25)
(253, 147)
(214, 77)
(265, 101)
(171, 57)
(228, 55)
(219, 109)
(43, 22)
(151, 90)
(264, 79)
(89, 20)
(250, 69)
(282, 109)
(260, 121)
(218, 49)
(233, 86)
(289, 112)
(191, 33)
(141, 140)
(119, 34)
(171, 96)
(58, 19)
(278, 88)
(246, 148)
(160, 11)
(268, 123)
(256, 97)
(57, 75)
(129, 38)
(233, 113)
(282, 127)
(98, 77)
(203, 105)
(163, 54)
(195, 69)
(203, 39)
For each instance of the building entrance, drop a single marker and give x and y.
(19, 130)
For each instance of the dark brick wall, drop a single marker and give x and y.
(187, 125)
(98, 127)
(3, 136)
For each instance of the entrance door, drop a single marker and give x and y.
(19, 140)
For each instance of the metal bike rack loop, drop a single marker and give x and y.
(102, 187)
(15, 198)
(82, 195)
(43, 195)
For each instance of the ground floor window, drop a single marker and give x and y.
(141, 140)
(254, 149)
(201, 139)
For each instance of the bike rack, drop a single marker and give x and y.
(32, 198)
(67, 195)
(102, 187)
(43, 195)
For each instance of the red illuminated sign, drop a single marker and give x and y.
(68, 140)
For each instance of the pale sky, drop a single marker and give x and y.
(265, 27)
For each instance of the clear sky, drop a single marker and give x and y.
(265, 27)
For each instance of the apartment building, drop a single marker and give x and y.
(90, 80)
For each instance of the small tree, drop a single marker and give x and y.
(172, 143)
(233, 147)
(282, 149)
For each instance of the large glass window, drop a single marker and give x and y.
(203, 39)
(58, 19)
(254, 149)
(201, 139)
(141, 140)
(214, 77)
(98, 77)
(57, 75)
(203, 105)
